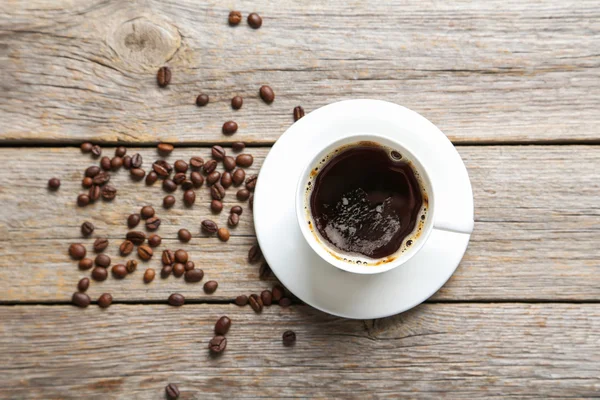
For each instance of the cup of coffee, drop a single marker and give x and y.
(365, 204)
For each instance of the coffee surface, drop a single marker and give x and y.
(364, 202)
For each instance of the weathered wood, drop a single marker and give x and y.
(492, 72)
(536, 231)
(455, 351)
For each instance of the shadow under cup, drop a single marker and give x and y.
(353, 262)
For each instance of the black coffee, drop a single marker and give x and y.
(366, 200)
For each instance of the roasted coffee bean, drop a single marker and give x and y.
(187, 184)
(197, 179)
(217, 191)
(94, 193)
(189, 198)
(86, 147)
(126, 248)
(168, 257)
(137, 173)
(236, 210)
(83, 200)
(235, 17)
(147, 212)
(105, 300)
(241, 300)
(217, 345)
(244, 160)
(216, 206)
(202, 100)
(181, 256)
(176, 300)
(162, 168)
(209, 166)
(116, 163)
(100, 244)
(105, 163)
(233, 220)
(210, 287)
(83, 284)
(264, 272)
(218, 152)
(189, 265)
(243, 194)
(184, 235)
(151, 178)
(289, 338)
(77, 251)
(278, 292)
(136, 237)
(251, 183)
(86, 182)
(119, 271)
(87, 228)
(127, 162)
(101, 179)
(120, 151)
(169, 186)
(230, 127)
(96, 151)
(196, 162)
(178, 270)
(194, 275)
(237, 102)
(149, 275)
(145, 252)
(86, 263)
(180, 166)
(166, 271)
(226, 180)
(53, 183)
(102, 260)
(152, 223)
(154, 240)
(238, 146)
(223, 234)
(80, 299)
(298, 113)
(267, 94)
(229, 163)
(251, 202)
(238, 176)
(208, 226)
(267, 297)
(163, 76)
(254, 254)
(99, 274)
(168, 201)
(213, 177)
(179, 178)
(136, 160)
(131, 266)
(133, 220)
(254, 20)
(164, 148)
(285, 302)
(256, 303)
(222, 326)
(109, 192)
(92, 171)
(172, 391)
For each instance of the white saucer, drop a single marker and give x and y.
(324, 286)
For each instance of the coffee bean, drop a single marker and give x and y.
(226, 180)
(86, 182)
(92, 171)
(168, 257)
(237, 102)
(184, 235)
(233, 220)
(164, 148)
(168, 201)
(241, 300)
(217, 191)
(136, 237)
(235, 17)
(102, 260)
(149, 275)
(119, 271)
(166, 271)
(147, 212)
(267, 297)
(136, 161)
(83, 200)
(145, 252)
(120, 151)
(172, 391)
(180, 166)
(264, 272)
(137, 173)
(116, 163)
(251, 201)
(196, 162)
(126, 248)
(96, 151)
(109, 192)
(254, 20)
(179, 178)
(127, 162)
(254, 254)
(238, 176)
(178, 269)
(236, 210)
(163, 76)
(86, 263)
(197, 179)
(213, 177)
(209, 166)
(289, 338)
(53, 183)
(152, 223)
(87, 228)
(86, 147)
(216, 206)
(267, 94)
(244, 160)
(208, 226)
(94, 193)
(189, 265)
(133, 220)
(202, 100)
(218, 152)
(229, 128)
(298, 113)
(100, 244)
(169, 185)
(222, 326)
(256, 303)
(223, 234)
(154, 240)
(194, 275)
(151, 178)
(181, 256)
(105, 300)
(176, 300)
(243, 194)
(83, 284)
(217, 345)
(162, 168)
(278, 292)
(251, 183)
(99, 274)
(80, 299)
(101, 179)
(187, 185)
(238, 146)
(229, 163)
(285, 302)
(131, 266)
(105, 163)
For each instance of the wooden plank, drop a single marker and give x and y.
(535, 238)
(497, 71)
(455, 351)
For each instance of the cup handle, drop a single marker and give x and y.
(465, 227)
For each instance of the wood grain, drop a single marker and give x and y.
(499, 71)
(535, 238)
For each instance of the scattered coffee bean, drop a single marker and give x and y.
(102, 260)
(254, 254)
(154, 240)
(267, 94)
(236, 210)
(238, 146)
(164, 148)
(101, 179)
(217, 191)
(176, 300)
(229, 163)
(172, 391)
(264, 272)
(119, 271)
(151, 178)
(278, 292)
(83, 200)
(237, 102)
(184, 235)
(99, 274)
(267, 297)
(217, 345)
(194, 275)
(222, 326)
(298, 113)
(181, 256)
(153, 223)
(147, 212)
(244, 160)
(86, 147)
(136, 161)
(163, 76)
(218, 152)
(133, 220)
(120, 151)
(178, 269)
(149, 275)
(53, 183)
(105, 163)
(208, 226)
(109, 192)
(254, 20)
(196, 162)
(83, 284)
(100, 244)
(86, 182)
(210, 166)
(80, 299)
(169, 185)
(127, 162)
(92, 171)
(243, 194)
(181, 166)
(131, 266)
(165, 272)
(96, 151)
(216, 206)
(87, 228)
(86, 263)
(94, 193)
(285, 302)
(233, 220)
(213, 177)
(187, 184)
(251, 183)
(197, 179)
(179, 178)
(145, 252)
(241, 300)
(162, 168)
(226, 180)
(136, 237)
(256, 303)
(189, 265)
(229, 128)
(168, 201)
(235, 17)
(238, 176)
(126, 248)
(105, 300)
(116, 163)
(168, 257)
(223, 234)
(289, 338)
(137, 173)
(202, 100)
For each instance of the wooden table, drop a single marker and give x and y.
(514, 84)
